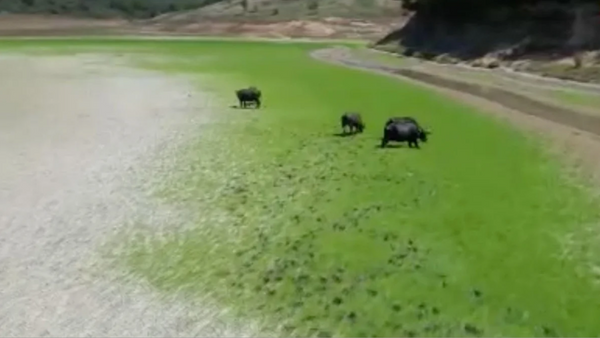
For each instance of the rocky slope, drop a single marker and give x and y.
(549, 37)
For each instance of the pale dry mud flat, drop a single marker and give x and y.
(78, 138)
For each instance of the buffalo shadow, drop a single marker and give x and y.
(345, 134)
(235, 106)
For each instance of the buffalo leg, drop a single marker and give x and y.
(257, 103)
(384, 142)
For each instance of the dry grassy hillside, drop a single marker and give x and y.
(359, 19)
(283, 10)
(355, 19)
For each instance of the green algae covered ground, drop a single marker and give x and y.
(331, 236)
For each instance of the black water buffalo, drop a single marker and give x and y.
(352, 121)
(403, 119)
(248, 95)
(403, 131)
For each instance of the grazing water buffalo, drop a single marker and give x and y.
(353, 121)
(249, 95)
(403, 119)
(403, 132)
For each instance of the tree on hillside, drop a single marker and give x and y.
(102, 8)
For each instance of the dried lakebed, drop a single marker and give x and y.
(78, 143)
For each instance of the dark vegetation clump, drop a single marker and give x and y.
(313, 5)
